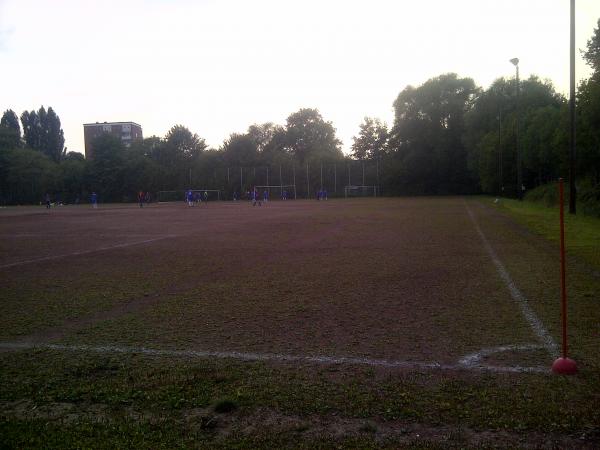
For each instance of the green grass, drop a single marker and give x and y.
(582, 233)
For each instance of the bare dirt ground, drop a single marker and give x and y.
(391, 279)
(392, 296)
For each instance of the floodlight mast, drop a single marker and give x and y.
(515, 62)
(572, 150)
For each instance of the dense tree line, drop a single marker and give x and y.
(449, 136)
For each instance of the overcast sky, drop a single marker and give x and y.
(219, 66)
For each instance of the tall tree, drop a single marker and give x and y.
(427, 135)
(592, 53)
(311, 137)
(184, 143)
(371, 141)
(10, 131)
(42, 132)
(54, 138)
(32, 129)
(588, 115)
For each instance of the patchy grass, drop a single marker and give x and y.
(582, 233)
(399, 279)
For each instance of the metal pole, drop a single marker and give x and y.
(267, 175)
(500, 183)
(334, 178)
(572, 154)
(280, 182)
(190, 178)
(519, 168)
(321, 175)
(241, 181)
(349, 184)
(294, 176)
(377, 172)
(228, 176)
(307, 183)
(363, 169)
(563, 288)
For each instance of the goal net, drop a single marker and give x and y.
(277, 192)
(360, 191)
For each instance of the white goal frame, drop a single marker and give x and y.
(362, 189)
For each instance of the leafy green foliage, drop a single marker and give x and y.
(42, 132)
(371, 141)
(427, 135)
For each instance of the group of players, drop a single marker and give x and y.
(195, 197)
(254, 196)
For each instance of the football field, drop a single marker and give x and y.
(364, 322)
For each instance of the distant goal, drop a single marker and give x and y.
(360, 191)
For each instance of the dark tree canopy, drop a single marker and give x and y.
(427, 135)
(372, 140)
(42, 132)
(311, 137)
(10, 131)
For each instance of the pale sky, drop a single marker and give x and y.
(219, 66)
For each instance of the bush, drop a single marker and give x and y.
(588, 196)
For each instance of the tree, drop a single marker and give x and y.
(32, 129)
(592, 54)
(73, 170)
(311, 137)
(10, 131)
(183, 143)
(105, 173)
(30, 176)
(53, 142)
(240, 149)
(588, 115)
(271, 142)
(42, 132)
(371, 141)
(427, 135)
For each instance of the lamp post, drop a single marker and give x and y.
(572, 188)
(515, 62)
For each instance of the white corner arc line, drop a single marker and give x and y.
(534, 322)
(278, 357)
(84, 252)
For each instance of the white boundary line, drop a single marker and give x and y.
(534, 322)
(85, 252)
(470, 362)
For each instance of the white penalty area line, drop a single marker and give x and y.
(534, 322)
(470, 362)
(84, 252)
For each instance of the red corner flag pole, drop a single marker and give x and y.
(563, 365)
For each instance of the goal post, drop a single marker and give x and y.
(360, 191)
(281, 192)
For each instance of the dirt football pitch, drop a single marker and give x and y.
(409, 322)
